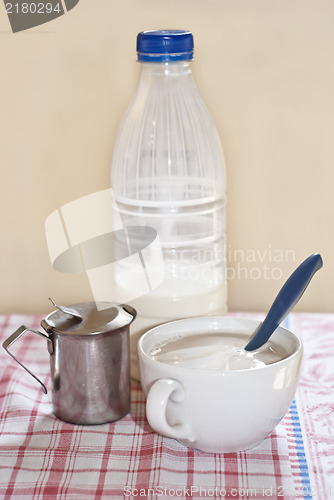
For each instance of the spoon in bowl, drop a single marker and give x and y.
(286, 299)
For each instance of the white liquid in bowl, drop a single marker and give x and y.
(216, 352)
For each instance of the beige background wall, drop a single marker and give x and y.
(266, 71)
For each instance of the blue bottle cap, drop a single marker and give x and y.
(165, 45)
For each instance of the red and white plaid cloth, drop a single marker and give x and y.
(42, 457)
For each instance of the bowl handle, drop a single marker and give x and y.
(157, 399)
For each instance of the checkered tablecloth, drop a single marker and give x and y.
(42, 457)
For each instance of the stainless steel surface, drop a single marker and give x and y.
(89, 361)
(67, 310)
(91, 377)
(95, 319)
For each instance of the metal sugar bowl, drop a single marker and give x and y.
(89, 361)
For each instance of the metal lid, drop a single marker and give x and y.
(96, 318)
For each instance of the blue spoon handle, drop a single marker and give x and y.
(286, 299)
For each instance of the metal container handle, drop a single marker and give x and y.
(16, 335)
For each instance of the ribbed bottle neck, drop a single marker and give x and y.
(180, 69)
